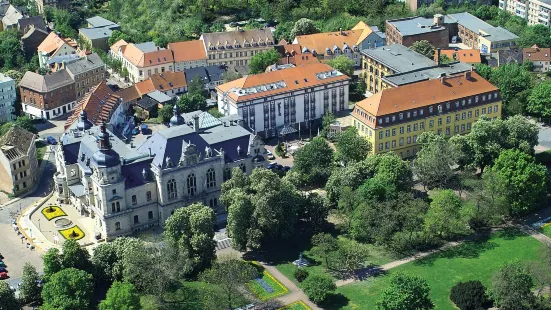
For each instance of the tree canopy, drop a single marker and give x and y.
(406, 292)
(314, 161)
(121, 296)
(424, 48)
(342, 64)
(260, 61)
(68, 289)
(351, 147)
(303, 26)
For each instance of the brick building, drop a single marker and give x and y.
(47, 96)
(406, 31)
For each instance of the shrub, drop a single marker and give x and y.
(318, 287)
(301, 274)
(280, 151)
(470, 295)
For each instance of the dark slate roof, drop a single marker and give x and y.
(36, 21)
(133, 173)
(207, 74)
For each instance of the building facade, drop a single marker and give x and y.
(406, 31)
(188, 54)
(47, 96)
(55, 47)
(414, 5)
(536, 12)
(283, 101)
(8, 96)
(236, 48)
(127, 189)
(18, 162)
(393, 119)
(540, 57)
(86, 73)
(142, 60)
(168, 83)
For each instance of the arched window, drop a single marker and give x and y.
(191, 185)
(118, 226)
(171, 189)
(243, 167)
(211, 178)
(227, 174)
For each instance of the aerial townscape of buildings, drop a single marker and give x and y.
(398, 136)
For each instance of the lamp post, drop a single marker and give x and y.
(39, 225)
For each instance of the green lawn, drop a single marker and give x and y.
(278, 288)
(546, 230)
(40, 151)
(299, 305)
(476, 260)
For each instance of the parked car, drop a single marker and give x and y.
(51, 140)
(270, 155)
(2, 264)
(271, 165)
(2, 269)
(233, 24)
(278, 167)
(3, 275)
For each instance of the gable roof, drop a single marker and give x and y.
(188, 50)
(468, 55)
(119, 44)
(34, 32)
(215, 39)
(320, 42)
(16, 142)
(98, 21)
(262, 85)
(36, 21)
(393, 100)
(85, 64)
(165, 81)
(99, 104)
(53, 42)
(47, 82)
(536, 53)
(128, 94)
(139, 58)
(11, 16)
(207, 74)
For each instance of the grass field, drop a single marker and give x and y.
(475, 260)
(299, 305)
(546, 230)
(278, 288)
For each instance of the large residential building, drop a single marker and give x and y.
(18, 162)
(142, 60)
(328, 45)
(406, 31)
(236, 48)
(540, 57)
(47, 96)
(395, 65)
(7, 98)
(126, 188)
(414, 5)
(98, 32)
(168, 83)
(188, 54)
(439, 31)
(55, 49)
(86, 73)
(534, 11)
(393, 119)
(279, 102)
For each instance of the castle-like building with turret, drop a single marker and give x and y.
(127, 188)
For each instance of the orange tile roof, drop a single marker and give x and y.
(99, 103)
(141, 59)
(129, 94)
(468, 55)
(119, 43)
(53, 42)
(536, 53)
(292, 54)
(188, 50)
(294, 78)
(421, 94)
(162, 82)
(321, 41)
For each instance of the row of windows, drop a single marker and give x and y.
(18, 164)
(136, 220)
(408, 140)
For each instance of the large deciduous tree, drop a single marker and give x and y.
(29, 292)
(324, 245)
(469, 295)
(424, 48)
(75, 256)
(433, 164)
(512, 80)
(229, 274)
(68, 289)
(525, 180)
(314, 161)
(511, 288)
(52, 262)
(351, 147)
(8, 301)
(303, 26)
(446, 215)
(260, 61)
(539, 101)
(406, 292)
(318, 287)
(121, 296)
(342, 64)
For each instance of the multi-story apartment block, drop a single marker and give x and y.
(534, 11)
(55, 49)
(540, 57)
(142, 60)
(395, 65)
(86, 73)
(328, 45)
(47, 96)
(125, 189)
(393, 119)
(7, 98)
(406, 31)
(236, 48)
(279, 102)
(188, 54)
(18, 163)
(414, 5)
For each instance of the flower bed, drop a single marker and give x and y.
(52, 212)
(267, 287)
(297, 305)
(74, 233)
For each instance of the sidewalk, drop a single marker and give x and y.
(30, 231)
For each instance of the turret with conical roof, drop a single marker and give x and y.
(106, 156)
(176, 119)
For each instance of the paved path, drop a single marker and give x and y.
(403, 261)
(295, 293)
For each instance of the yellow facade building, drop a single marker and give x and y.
(393, 118)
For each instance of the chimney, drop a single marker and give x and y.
(438, 51)
(438, 20)
(443, 80)
(468, 75)
(340, 31)
(196, 123)
(288, 56)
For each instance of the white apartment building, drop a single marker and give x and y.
(283, 101)
(534, 11)
(7, 98)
